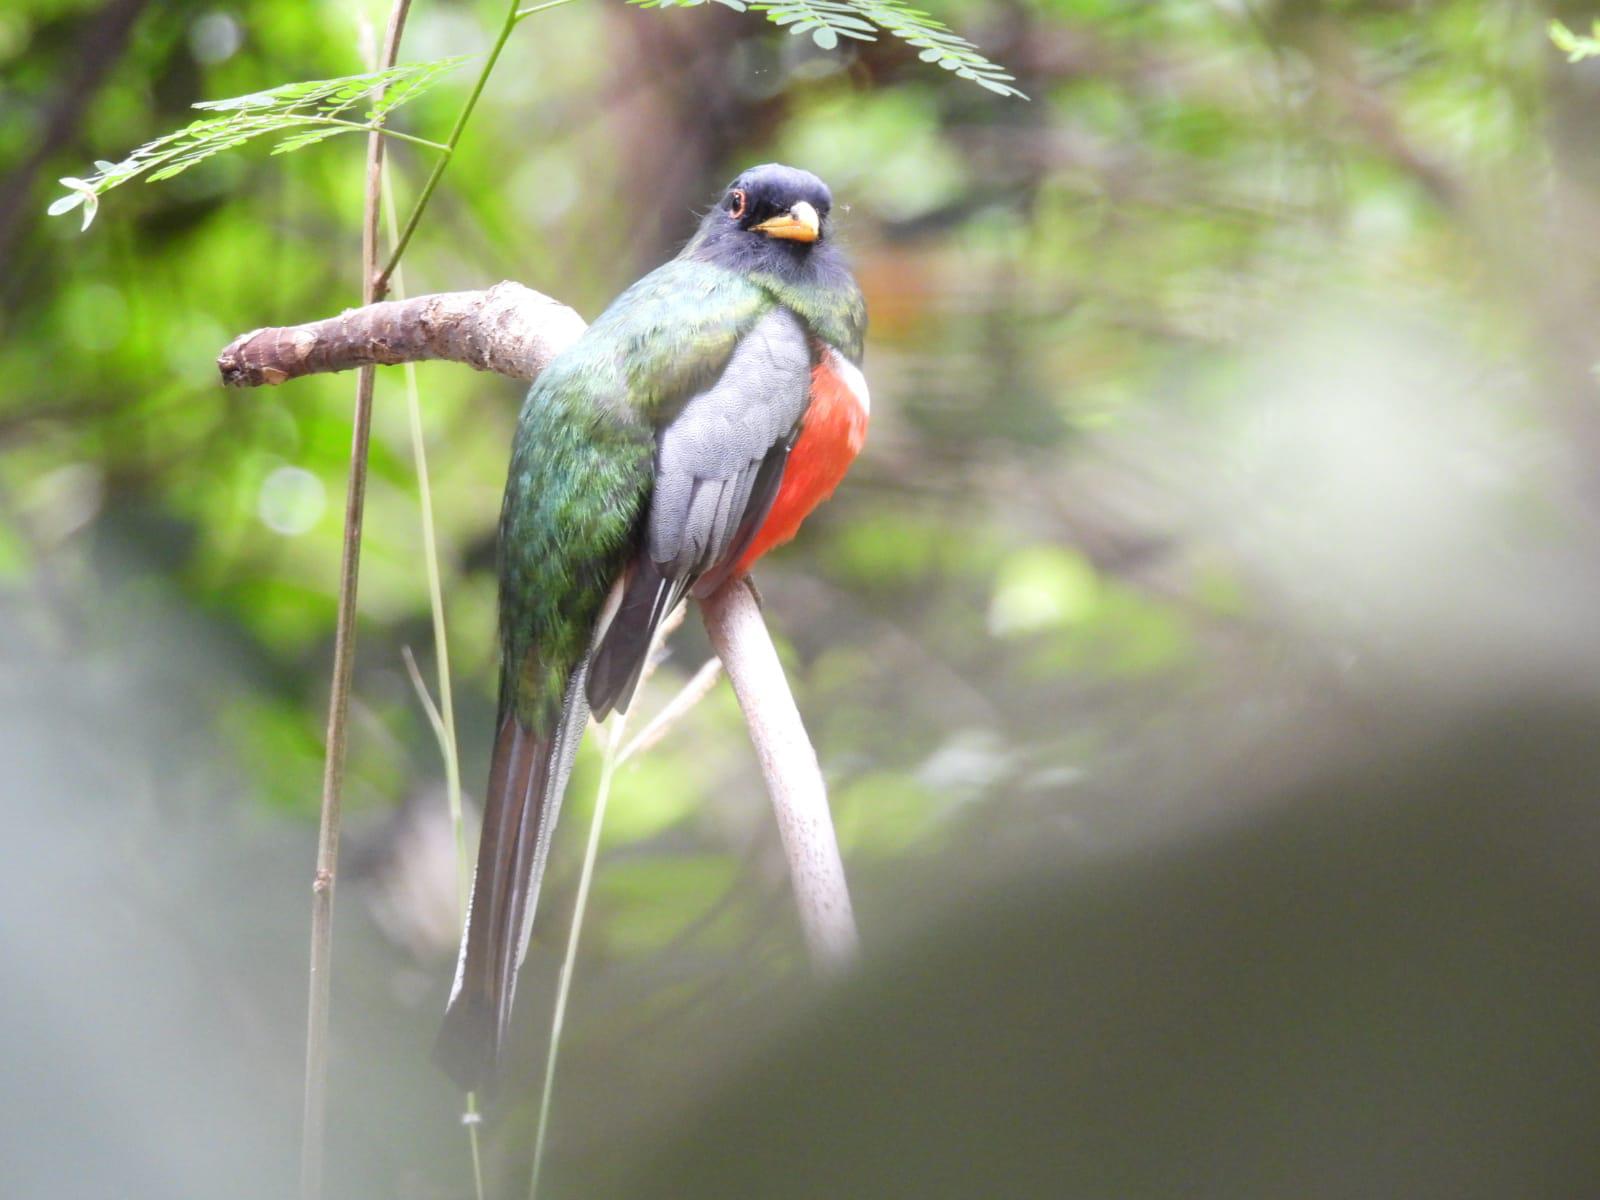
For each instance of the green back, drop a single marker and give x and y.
(581, 466)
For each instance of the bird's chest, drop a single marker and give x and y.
(835, 428)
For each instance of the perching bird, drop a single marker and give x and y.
(693, 427)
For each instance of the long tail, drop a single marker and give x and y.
(527, 778)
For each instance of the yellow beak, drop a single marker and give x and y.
(799, 224)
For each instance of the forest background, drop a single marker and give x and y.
(1232, 388)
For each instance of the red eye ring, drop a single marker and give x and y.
(740, 201)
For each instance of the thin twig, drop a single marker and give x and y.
(458, 825)
(539, 8)
(451, 142)
(370, 127)
(443, 716)
(314, 1113)
(696, 690)
(613, 758)
(424, 697)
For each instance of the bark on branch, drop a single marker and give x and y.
(515, 331)
(508, 329)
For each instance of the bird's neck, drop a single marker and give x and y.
(826, 299)
(811, 280)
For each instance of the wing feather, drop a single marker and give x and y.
(718, 463)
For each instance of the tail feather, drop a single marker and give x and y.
(623, 648)
(527, 778)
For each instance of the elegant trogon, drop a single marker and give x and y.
(691, 428)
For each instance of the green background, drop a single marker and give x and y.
(1232, 389)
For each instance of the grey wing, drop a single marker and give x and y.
(718, 464)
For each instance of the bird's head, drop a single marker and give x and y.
(771, 217)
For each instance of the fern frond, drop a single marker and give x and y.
(309, 111)
(862, 20)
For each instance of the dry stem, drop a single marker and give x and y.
(315, 1112)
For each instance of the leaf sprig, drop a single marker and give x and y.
(862, 20)
(1577, 46)
(307, 112)
(314, 110)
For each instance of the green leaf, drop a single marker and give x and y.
(82, 193)
(310, 137)
(825, 38)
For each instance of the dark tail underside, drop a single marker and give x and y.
(623, 649)
(527, 778)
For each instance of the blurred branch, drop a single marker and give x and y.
(1334, 58)
(508, 329)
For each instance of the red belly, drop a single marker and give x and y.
(835, 427)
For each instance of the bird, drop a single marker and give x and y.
(689, 430)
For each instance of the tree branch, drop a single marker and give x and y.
(514, 331)
(508, 329)
(794, 779)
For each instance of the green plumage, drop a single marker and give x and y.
(837, 314)
(581, 465)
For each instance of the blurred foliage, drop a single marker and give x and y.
(308, 111)
(862, 20)
(1241, 379)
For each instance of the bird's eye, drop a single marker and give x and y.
(737, 202)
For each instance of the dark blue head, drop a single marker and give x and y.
(771, 218)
